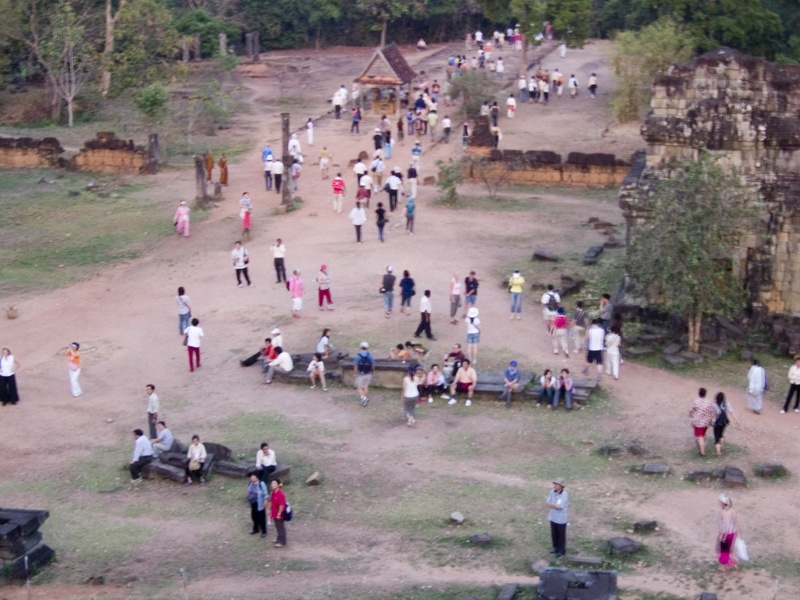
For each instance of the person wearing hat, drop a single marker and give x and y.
(515, 283)
(411, 383)
(363, 365)
(324, 287)
(558, 501)
(511, 378)
(473, 334)
(277, 337)
(181, 219)
(294, 147)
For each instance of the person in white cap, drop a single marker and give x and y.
(277, 337)
(473, 334)
(363, 365)
(294, 147)
(558, 501)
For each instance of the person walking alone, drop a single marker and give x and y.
(191, 340)
(184, 310)
(756, 384)
(358, 217)
(278, 250)
(8, 377)
(425, 316)
(73, 355)
(295, 285)
(241, 259)
(794, 387)
(515, 283)
(181, 219)
(558, 502)
(324, 287)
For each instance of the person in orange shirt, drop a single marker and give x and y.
(72, 353)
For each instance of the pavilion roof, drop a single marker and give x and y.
(386, 66)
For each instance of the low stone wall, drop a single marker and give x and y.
(104, 154)
(535, 167)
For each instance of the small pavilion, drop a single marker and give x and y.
(384, 78)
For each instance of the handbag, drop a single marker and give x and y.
(740, 549)
(194, 465)
(288, 513)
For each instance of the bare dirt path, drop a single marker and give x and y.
(125, 322)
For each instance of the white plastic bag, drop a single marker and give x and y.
(740, 549)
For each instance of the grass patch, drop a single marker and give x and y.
(497, 204)
(640, 595)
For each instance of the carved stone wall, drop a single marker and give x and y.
(746, 111)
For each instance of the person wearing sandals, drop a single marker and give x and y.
(721, 421)
(316, 371)
(277, 509)
(410, 394)
(196, 455)
(702, 414)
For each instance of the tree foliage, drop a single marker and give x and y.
(638, 57)
(473, 88)
(153, 102)
(681, 257)
(209, 28)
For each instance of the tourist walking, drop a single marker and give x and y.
(511, 107)
(257, 497)
(756, 384)
(153, 407)
(181, 219)
(73, 354)
(470, 292)
(455, 297)
(8, 377)
(473, 334)
(358, 217)
(277, 173)
(724, 414)
(324, 288)
(240, 259)
(558, 502)
(387, 289)
(425, 316)
(324, 162)
(278, 250)
(209, 164)
(245, 210)
(410, 210)
(393, 183)
(184, 310)
(380, 219)
(559, 330)
(363, 365)
(406, 293)
(595, 343)
(268, 172)
(578, 324)
(411, 176)
(613, 340)
(703, 415)
(142, 455)
(339, 191)
(410, 396)
(728, 530)
(550, 301)
(277, 511)
(515, 283)
(196, 456)
(310, 131)
(593, 85)
(191, 340)
(794, 387)
(295, 286)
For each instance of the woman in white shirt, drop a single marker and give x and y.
(473, 334)
(8, 380)
(196, 456)
(241, 259)
(316, 370)
(184, 310)
(324, 343)
(192, 342)
(455, 297)
(411, 394)
(612, 343)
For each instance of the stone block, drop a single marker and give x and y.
(655, 469)
(541, 254)
(622, 546)
(314, 479)
(157, 469)
(592, 254)
(457, 517)
(638, 350)
(537, 566)
(482, 539)
(690, 356)
(637, 449)
(672, 349)
(609, 450)
(698, 475)
(582, 559)
(708, 596)
(645, 526)
(508, 592)
(566, 584)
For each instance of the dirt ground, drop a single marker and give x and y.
(125, 320)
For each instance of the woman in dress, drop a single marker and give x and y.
(277, 510)
(245, 210)
(756, 384)
(196, 459)
(184, 310)
(8, 380)
(728, 530)
(406, 292)
(181, 219)
(612, 342)
(724, 416)
(410, 394)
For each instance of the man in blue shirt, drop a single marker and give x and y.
(163, 443)
(363, 365)
(142, 455)
(558, 501)
(266, 152)
(510, 382)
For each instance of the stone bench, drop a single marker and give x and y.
(583, 389)
(491, 382)
(230, 468)
(172, 466)
(387, 372)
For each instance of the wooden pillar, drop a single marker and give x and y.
(286, 195)
(223, 44)
(256, 47)
(397, 99)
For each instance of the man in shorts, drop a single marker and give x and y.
(363, 365)
(463, 383)
(595, 337)
(551, 300)
(470, 292)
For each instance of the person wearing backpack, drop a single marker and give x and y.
(578, 326)
(363, 365)
(722, 420)
(550, 303)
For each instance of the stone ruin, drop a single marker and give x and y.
(746, 111)
(104, 154)
(20, 538)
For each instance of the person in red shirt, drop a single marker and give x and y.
(559, 328)
(277, 508)
(339, 191)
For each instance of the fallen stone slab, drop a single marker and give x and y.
(592, 254)
(609, 450)
(508, 592)
(583, 559)
(637, 449)
(708, 596)
(691, 356)
(698, 475)
(314, 479)
(544, 255)
(673, 359)
(621, 546)
(770, 471)
(481, 539)
(672, 349)
(734, 476)
(566, 584)
(713, 349)
(457, 517)
(655, 469)
(639, 350)
(602, 225)
(157, 469)
(229, 468)
(645, 526)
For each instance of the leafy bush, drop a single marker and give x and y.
(153, 102)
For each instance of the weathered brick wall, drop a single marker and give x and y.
(747, 111)
(29, 153)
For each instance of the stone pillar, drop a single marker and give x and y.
(153, 151)
(256, 47)
(286, 195)
(223, 44)
(185, 49)
(248, 44)
(197, 46)
(200, 177)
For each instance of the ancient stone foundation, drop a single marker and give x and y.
(22, 552)
(104, 154)
(746, 111)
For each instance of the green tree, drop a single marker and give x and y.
(153, 102)
(571, 20)
(638, 57)
(209, 28)
(322, 13)
(473, 88)
(681, 257)
(68, 56)
(384, 11)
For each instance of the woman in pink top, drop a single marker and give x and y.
(181, 219)
(295, 286)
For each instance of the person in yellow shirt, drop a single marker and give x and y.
(515, 283)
